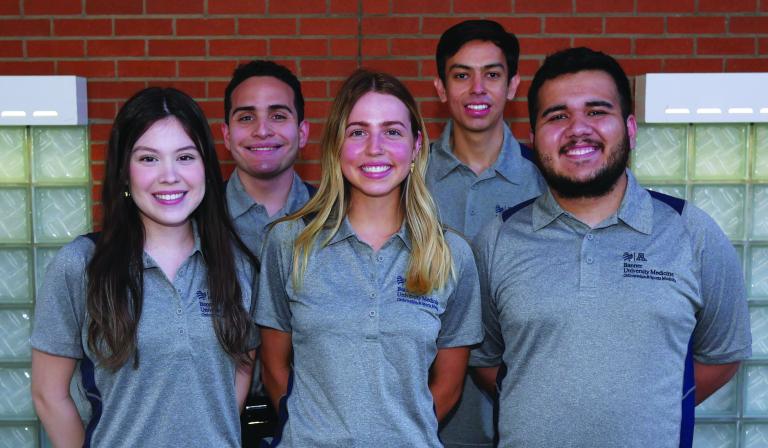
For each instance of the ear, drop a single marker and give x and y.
(531, 137)
(303, 133)
(512, 87)
(417, 146)
(225, 132)
(440, 88)
(632, 131)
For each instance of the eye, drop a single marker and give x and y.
(461, 75)
(279, 116)
(556, 117)
(493, 75)
(393, 132)
(244, 118)
(356, 133)
(146, 158)
(186, 157)
(596, 112)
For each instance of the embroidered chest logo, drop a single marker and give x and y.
(635, 266)
(205, 302)
(404, 296)
(500, 209)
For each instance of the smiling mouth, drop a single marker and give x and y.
(477, 107)
(375, 168)
(262, 148)
(169, 196)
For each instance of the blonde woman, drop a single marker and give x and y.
(367, 306)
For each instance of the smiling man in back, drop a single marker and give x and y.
(477, 168)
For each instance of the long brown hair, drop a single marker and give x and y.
(115, 292)
(431, 264)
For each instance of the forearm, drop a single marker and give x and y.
(61, 421)
(446, 378)
(485, 377)
(275, 379)
(243, 378)
(711, 377)
(445, 395)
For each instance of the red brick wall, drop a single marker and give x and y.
(124, 45)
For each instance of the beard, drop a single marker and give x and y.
(601, 183)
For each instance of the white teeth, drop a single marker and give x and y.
(263, 148)
(477, 106)
(375, 168)
(169, 197)
(580, 151)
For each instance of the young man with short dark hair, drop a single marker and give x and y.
(477, 168)
(595, 292)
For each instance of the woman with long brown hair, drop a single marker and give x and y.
(367, 306)
(155, 308)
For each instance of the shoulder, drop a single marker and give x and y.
(518, 210)
(284, 232)
(75, 255)
(457, 242)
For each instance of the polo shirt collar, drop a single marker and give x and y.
(346, 231)
(636, 209)
(239, 201)
(509, 164)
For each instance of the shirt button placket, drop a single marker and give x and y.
(589, 275)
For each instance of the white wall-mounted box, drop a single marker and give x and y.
(43, 101)
(702, 98)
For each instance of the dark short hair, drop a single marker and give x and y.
(484, 30)
(574, 60)
(264, 68)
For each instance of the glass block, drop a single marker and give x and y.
(43, 256)
(724, 203)
(14, 219)
(18, 437)
(714, 435)
(677, 191)
(15, 396)
(60, 214)
(756, 391)
(721, 402)
(14, 276)
(759, 321)
(756, 436)
(660, 153)
(761, 152)
(14, 339)
(758, 271)
(13, 153)
(720, 151)
(60, 153)
(760, 212)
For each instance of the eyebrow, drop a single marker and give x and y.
(271, 108)
(467, 67)
(149, 149)
(593, 103)
(385, 124)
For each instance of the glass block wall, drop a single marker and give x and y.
(723, 168)
(44, 203)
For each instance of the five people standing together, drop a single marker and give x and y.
(370, 300)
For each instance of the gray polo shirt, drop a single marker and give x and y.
(594, 325)
(183, 393)
(250, 218)
(467, 202)
(362, 344)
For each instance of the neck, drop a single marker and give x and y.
(593, 211)
(477, 150)
(375, 220)
(272, 193)
(168, 246)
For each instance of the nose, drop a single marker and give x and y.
(375, 145)
(478, 85)
(261, 128)
(578, 126)
(168, 175)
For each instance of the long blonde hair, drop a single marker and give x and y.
(431, 264)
